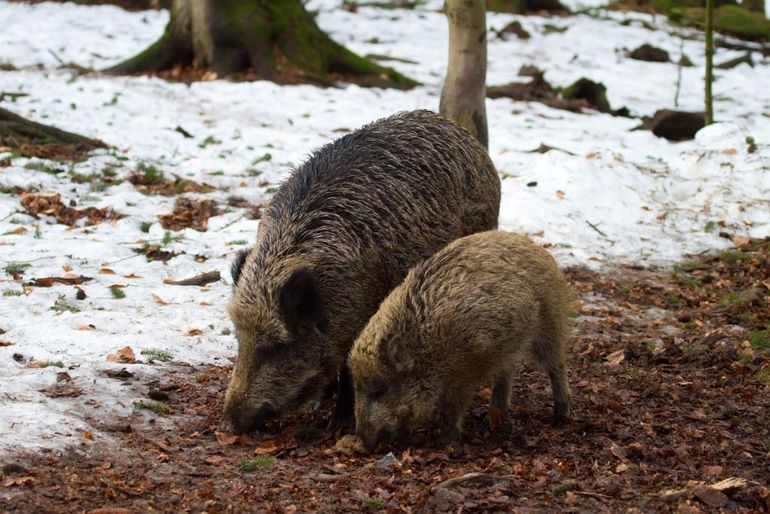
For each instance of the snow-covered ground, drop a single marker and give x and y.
(623, 197)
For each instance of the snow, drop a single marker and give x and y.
(619, 195)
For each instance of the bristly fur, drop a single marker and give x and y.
(356, 216)
(459, 319)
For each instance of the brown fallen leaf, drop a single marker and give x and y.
(193, 332)
(560, 194)
(158, 299)
(266, 447)
(71, 280)
(729, 151)
(5, 343)
(66, 268)
(615, 358)
(132, 275)
(18, 481)
(214, 460)
(52, 205)
(111, 510)
(189, 213)
(125, 355)
(88, 436)
(87, 327)
(741, 241)
(106, 271)
(710, 496)
(226, 439)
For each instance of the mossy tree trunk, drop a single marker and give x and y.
(269, 39)
(754, 5)
(464, 91)
(32, 139)
(522, 6)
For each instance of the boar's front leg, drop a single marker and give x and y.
(342, 414)
(501, 395)
(450, 418)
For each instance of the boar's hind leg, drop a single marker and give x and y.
(342, 414)
(501, 395)
(549, 352)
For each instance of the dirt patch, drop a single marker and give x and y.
(670, 373)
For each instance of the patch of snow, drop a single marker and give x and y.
(614, 195)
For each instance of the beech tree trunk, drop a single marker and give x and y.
(464, 91)
(266, 39)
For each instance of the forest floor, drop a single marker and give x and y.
(112, 374)
(670, 372)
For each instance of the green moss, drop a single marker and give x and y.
(151, 405)
(258, 462)
(592, 92)
(62, 304)
(372, 503)
(733, 256)
(737, 21)
(52, 364)
(13, 292)
(117, 292)
(731, 298)
(760, 338)
(564, 487)
(732, 20)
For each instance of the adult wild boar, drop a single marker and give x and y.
(460, 319)
(338, 235)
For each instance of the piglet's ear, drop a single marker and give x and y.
(300, 299)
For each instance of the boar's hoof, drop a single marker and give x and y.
(560, 419)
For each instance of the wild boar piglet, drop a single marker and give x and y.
(460, 319)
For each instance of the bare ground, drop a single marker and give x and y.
(670, 375)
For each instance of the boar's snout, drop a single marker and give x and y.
(238, 419)
(370, 436)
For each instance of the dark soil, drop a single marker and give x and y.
(671, 383)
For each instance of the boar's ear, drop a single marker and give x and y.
(393, 352)
(300, 299)
(237, 266)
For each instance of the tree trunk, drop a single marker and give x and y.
(265, 39)
(709, 79)
(32, 139)
(462, 98)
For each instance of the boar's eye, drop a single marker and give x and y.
(377, 392)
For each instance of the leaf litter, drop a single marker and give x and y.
(678, 424)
